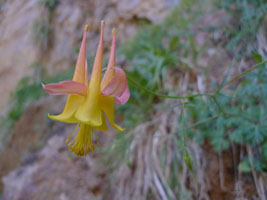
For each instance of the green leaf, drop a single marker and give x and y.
(257, 57)
(174, 43)
(213, 82)
(188, 161)
(244, 167)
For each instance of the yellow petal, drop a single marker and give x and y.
(107, 105)
(71, 106)
(104, 126)
(89, 112)
(80, 74)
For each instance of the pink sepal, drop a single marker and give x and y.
(66, 87)
(118, 87)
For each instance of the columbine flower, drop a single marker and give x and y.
(89, 103)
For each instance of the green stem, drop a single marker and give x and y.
(231, 114)
(213, 95)
(204, 121)
(241, 74)
(194, 95)
(163, 95)
(217, 104)
(187, 157)
(184, 134)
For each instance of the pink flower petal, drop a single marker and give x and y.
(111, 63)
(66, 87)
(118, 87)
(124, 97)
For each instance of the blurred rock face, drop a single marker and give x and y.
(55, 174)
(152, 10)
(17, 50)
(32, 34)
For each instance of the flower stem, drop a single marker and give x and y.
(163, 95)
(194, 95)
(213, 95)
(241, 74)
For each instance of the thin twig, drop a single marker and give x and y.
(184, 134)
(221, 172)
(204, 121)
(199, 94)
(241, 74)
(213, 95)
(254, 174)
(217, 104)
(163, 95)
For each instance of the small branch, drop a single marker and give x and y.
(194, 95)
(213, 95)
(163, 95)
(184, 134)
(221, 172)
(241, 74)
(254, 174)
(204, 121)
(217, 104)
(232, 114)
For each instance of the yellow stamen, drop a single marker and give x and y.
(83, 142)
(73, 132)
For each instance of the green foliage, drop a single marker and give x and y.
(244, 167)
(27, 91)
(42, 33)
(242, 118)
(155, 49)
(236, 116)
(50, 4)
(120, 146)
(247, 17)
(42, 29)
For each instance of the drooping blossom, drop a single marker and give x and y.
(89, 103)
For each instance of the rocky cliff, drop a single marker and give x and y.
(44, 35)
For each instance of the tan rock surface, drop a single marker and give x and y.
(19, 48)
(20, 53)
(47, 169)
(55, 174)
